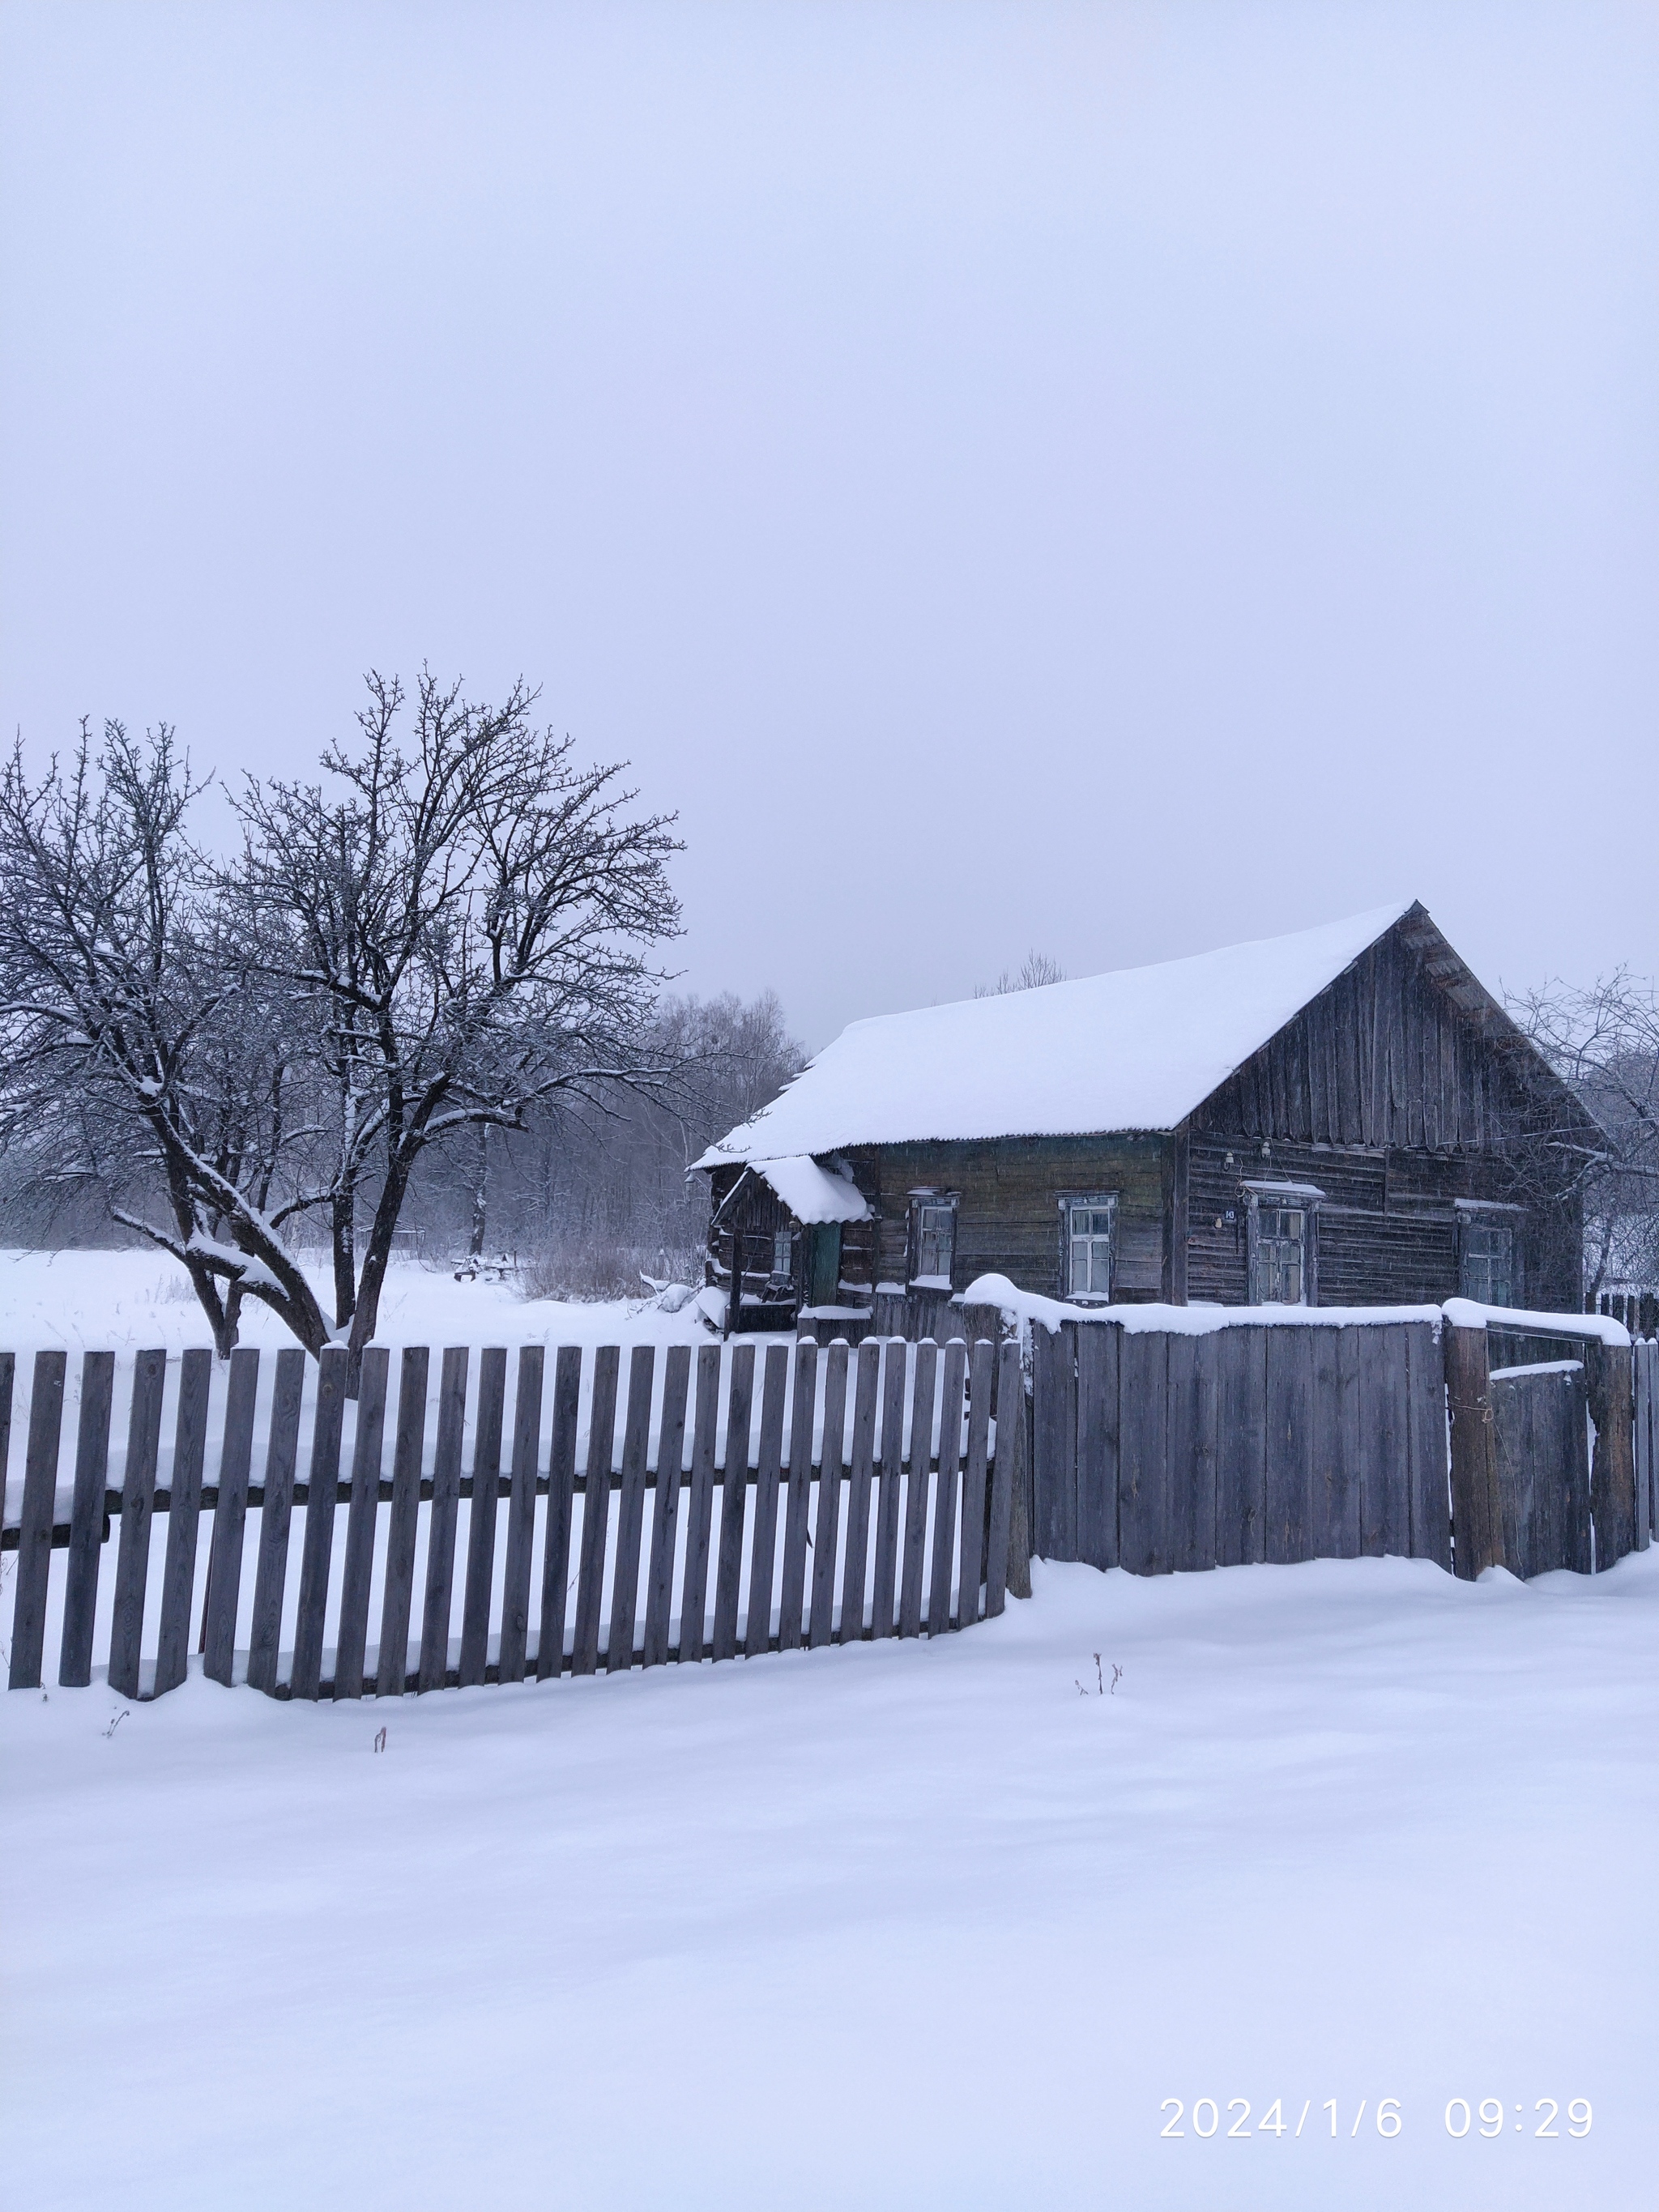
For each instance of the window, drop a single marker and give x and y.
(933, 1237)
(783, 1252)
(1088, 1269)
(1486, 1269)
(1282, 1251)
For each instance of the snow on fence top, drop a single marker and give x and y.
(1464, 1313)
(1137, 1049)
(1027, 1306)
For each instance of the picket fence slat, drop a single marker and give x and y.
(762, 1556)
(87, 1518)
(1007, 1468)
(631, 1514)
(184, 1507)
(883, 1615)
(403, 1523)
(792, 1585)
(482, 1515)
(224, 1588)
(596, 1511)
(666, 1510)
(357, 1572)
(855, 1568)
(322, 1496)
(944, 1490)
(734, 1490)
(916, 1487)
(982, 1370)
(137, 1506)
(561, 1512)
(826, 1529)
(700, 1515)
(520, 1514)
(270, 1576)
(29, 1618)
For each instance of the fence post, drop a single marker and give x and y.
(1612, 1469)
(1477, 1508)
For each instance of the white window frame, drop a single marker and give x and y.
(1303, 1198)
(1479, 1214)
(1087, 1201)
(948, 1201)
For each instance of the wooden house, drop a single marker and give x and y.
(1341, 1117)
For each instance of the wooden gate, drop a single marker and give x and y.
(1541, 1417)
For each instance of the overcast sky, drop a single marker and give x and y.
(1118, 480)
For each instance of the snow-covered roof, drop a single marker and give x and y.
(813, 1193)
(1136, 1049)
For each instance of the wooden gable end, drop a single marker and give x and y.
(1387, 1057)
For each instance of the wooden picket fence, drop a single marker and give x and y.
(858, 1494)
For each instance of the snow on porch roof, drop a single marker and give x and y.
(1137, 1049)
(813, 1193)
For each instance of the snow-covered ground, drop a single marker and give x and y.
(893, 1926)
(135, 1301)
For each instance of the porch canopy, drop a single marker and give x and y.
(813, 1195)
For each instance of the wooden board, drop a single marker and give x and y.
(1477, 1501)
(884, 1604)
(856, 1551)
(1193, 1402)
(976, 1493)
(826, 1533)
(184, 1516)
(943, 1550)
(357, 1575)
(596, 1511)
(1429, 1504)
(482, 1515)
(1288, 1469)
(918, 1484)
(440, 1529)
(734, 1494)
(630, 1511)
(28, 1616)
(322, 1498)
(561, 1512)
(1334, 1525)
(1007, 1472)
(665, 1508)
(762, 1556)
(1383, 1385)
(521, 1515)
(271, 1575)
(85, 1518)
(1098, 1349)
(137, 1504)
(1054, 1440)
(1613, 1469)
(792, 1579)
(402, 1527)
(1240, 1444)
(1143, 1511)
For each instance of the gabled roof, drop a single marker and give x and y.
(1135, 1050)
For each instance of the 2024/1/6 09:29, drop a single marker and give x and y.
(1490, 2111)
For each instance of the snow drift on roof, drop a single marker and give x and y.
(1137, 1049)
(813, 1193)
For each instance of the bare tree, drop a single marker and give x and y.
(1604, 1042)
(467, 921)
(1035, 970)
(142, 1053)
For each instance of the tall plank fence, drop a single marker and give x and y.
(798, 1498)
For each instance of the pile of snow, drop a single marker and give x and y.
(898, 1925)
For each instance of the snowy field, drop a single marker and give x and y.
(889, 1926)
(935, 1924)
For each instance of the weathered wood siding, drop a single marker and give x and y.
(1009, 1220)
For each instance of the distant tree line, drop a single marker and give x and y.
(426, 975)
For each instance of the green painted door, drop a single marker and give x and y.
(825, 1289)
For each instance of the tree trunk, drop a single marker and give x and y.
(377, 1257)
(342, 1222)
(475, 1243)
